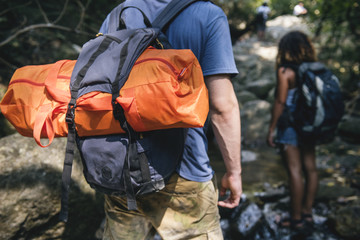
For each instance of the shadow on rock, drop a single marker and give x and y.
(30, 192)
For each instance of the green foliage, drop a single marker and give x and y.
(337, 27)
(239, 11)
(281, 7)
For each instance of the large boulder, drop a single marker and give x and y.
(261, 87)
(257, 65)
(247, 222)
(30, 183)
(346, 220)
(6, 127)
(279, 26)
(249, 67)
(349, 127)
(245, 96)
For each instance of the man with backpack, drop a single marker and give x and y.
(187, 208)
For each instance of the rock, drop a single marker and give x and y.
(346, 220)
(225, 227)
(157, 237)
(271, 95)
(260, 87)
(246, 61)
(354, 106)
(248, 156)
(271, 216)
(2, 89)
(330, 192)
(6, 127)
(249, 67)
(255, 67)
(247, 222)
(265, 51)
(237, 86)
(272, 194)
(278, 27)
(255, 117)
(244, 97)
(355, 180)
(350, 162)
(349, 128)
(30, 183)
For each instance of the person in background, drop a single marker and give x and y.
(294, 48)
(262, 14)
(187, 208)
(299, 9)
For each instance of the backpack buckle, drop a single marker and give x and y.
(118, 113)
(70, 113)
(117, 110)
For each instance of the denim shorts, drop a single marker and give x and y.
(287, 136)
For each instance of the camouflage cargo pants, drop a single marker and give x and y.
(183, 210)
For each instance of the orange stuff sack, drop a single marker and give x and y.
(36, 100)
(165, 89)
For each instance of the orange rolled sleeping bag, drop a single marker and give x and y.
(36, 100)
(165, 89)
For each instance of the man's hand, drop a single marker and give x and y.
(234, 184)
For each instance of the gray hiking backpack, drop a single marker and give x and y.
(118, 164)
(319, 103)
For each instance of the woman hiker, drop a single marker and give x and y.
(294, 48)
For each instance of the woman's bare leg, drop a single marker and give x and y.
(311, 176)
(293, 160)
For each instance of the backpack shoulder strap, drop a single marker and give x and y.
(293, 67)
(170, 12)
(114, 19)
(310, 66)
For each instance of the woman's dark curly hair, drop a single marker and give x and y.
(295, 48)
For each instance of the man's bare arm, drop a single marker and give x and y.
(225, 118)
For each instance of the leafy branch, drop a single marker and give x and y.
(13, 8)
(47, 23)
